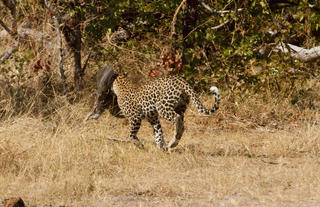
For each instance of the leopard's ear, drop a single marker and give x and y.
(114, 76)
(121, 72)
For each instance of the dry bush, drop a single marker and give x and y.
(30, 80)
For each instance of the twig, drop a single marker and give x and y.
(118, 140)
(137, 143)
(220, 25)
(207, 7)
(218, 12)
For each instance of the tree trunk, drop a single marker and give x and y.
(78, 73)
(60, 55)
(72, 33)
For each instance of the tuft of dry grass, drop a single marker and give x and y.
(63, 161)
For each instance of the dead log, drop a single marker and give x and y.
(105, 98)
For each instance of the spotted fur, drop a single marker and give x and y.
(166, 97)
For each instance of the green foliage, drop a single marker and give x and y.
(232, 51)
(228, 54)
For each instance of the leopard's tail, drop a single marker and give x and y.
(196, 101)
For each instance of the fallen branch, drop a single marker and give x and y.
(305, 55)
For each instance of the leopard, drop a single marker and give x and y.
(166, 97)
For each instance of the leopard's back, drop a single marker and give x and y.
(166, 97)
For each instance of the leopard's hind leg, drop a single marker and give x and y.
(177, 120)
(178, 131)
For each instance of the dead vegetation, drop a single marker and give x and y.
(259, 149)
(252, 152)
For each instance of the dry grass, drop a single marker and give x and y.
(63, 161)
(258, 150)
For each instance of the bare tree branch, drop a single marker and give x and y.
(174, 19)
(60, 49)
(208, 8)
(220, 25)
(305, 55)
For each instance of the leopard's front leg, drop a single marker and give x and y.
(134, 126)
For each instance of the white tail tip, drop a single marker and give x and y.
(215, 90)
